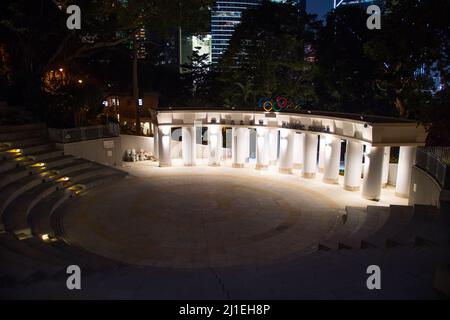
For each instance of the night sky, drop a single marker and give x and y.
(319, 7)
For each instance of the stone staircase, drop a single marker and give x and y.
(386, 227)
(36, 179)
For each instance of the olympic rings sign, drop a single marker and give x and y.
(278, 104)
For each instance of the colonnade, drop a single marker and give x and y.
(311, 152)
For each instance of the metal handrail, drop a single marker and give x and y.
(435, 161)
(84, 133)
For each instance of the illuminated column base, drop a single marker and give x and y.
(321, 162)
(387, 156)
(273, 147)
(188, 146)
(156, 143)
(353, 166)
(406, 161)
(310, 156)
(238, 147)
(299, 145)
(214, 145)
(164, 142)
(332, 160)
(262, 149)
(286, 151)
(373, 173)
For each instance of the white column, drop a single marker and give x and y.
(299, 145)
(262, 148)
(286, 151)
(310, 156)
(238, 147)
(321, 162)
(247, 144)
(214, 145)
(332, 159)
(188, 145)
(156, 143)
(387, 156)
(164, 142)
(353, 165)
(373, 173)
(273, 146)
(406, 160)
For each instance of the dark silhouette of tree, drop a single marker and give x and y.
(266, 57)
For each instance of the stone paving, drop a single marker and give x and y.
(207, 216)
(222, 233)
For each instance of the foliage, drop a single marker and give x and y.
(266, 57)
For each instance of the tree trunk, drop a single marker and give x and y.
(399, 105)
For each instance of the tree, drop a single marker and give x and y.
(266, 56)
(412, 43)
(344, 73)
(196, 76)
(37, 37)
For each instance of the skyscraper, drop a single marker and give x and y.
(338, 3)
(226, 15)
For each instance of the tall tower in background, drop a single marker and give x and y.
(338, 3)
(225, 16)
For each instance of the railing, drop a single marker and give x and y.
(84, 133)
(435, 161)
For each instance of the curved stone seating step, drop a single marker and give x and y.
(39, 166)
(21, 143)
(14, 174)
(73, 255)
(40, 156)
(29, 150)
(7, 165)
(15, 189)
(93, 260)
(70, 167)
(15, 217)
(65, 255)
(24, 170)
(354, 217)
(374, 219)
(102, 179)
(9, 242)
(399, 217)
(19, 266)
(422, 215)
(41, 219)
(91, 172)
(435, 233)
(22, 128)
(39, 215)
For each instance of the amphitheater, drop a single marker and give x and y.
(205, 223)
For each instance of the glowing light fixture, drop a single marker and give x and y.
(62, 179)
(39, 164)
(80, 81)
(45, 237)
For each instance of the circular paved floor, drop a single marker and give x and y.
(201, 217)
